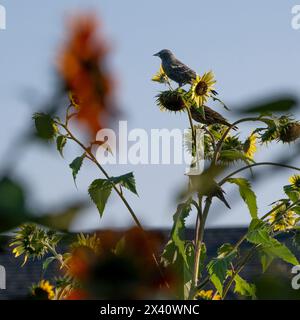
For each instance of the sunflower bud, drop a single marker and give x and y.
(171, 100)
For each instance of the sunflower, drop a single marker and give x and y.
(250, 146)
(74, 100)
(33, 242)
(282, 219)
(289, 132)
(295, 181)
(91, 242)
(160, 76)
(202, 88)
(43, 290)
(207, 295)
(171, 100)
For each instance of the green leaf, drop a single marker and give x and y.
(234, 155)
(244, 288)
(60, 144)
(293, 194)
(177, 232)
(127, 181)
(282, 104)
(76, 165)
(62, 219)
(266, 259)
(247, 194)
(47, 262)
(45, 126)
(13, 211)
(281, 251)
(225, 249)
(218, 268)
(99, 192)
(258, 234)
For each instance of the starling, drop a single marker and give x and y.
(211, 117)
(175, 69)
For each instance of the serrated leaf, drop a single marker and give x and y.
(99, 192)
(247, 194)
(293, 194)
(60, 144)
(177, 233)
(244, 288)
(281, 251)
(127, 181)
(75, 165)
(258, 234)
(218, 268)
(45, 126)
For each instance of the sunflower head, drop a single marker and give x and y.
(87, 241)
(33, 242)
(74, 100)
(202, 88)
(295, 181)
(282, 219)
(172, 100)
(207, 295)
(43, 290)
(160, 76)
(250, 146)
(289, 132)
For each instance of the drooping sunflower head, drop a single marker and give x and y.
(171, 100)
(282, 219)
(232, 143)
(202, 87)
(207, 295)
(250, 146)
(289, 132)
(87, 241)
(295, 181)
(43, 290)
(160, 76)
(33, 242)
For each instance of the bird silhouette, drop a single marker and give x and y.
(175, 69)
(211, 117)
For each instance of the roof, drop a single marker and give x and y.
(19, 279)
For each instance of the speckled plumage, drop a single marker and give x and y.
(211, 117)
(175, 69)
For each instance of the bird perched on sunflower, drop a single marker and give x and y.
(175, 69)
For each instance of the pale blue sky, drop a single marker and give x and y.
(250, 46)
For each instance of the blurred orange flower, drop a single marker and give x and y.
(82, 67)
(124, 268)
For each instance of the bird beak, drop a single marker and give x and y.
(156, 54)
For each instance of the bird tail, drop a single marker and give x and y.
(220, 195)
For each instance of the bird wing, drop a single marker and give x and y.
(181, 68)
